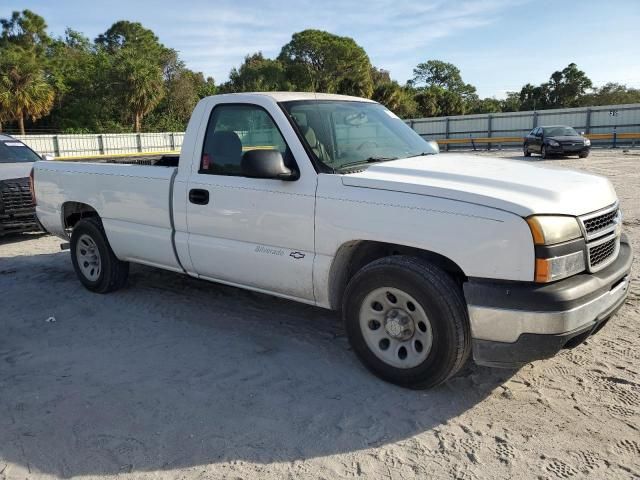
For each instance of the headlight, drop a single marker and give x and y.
(549, 230)
(553, 143)
(587, 142)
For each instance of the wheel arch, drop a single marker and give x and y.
(353, 255)
(72, 212)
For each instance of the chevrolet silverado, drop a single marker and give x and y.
(334, 201)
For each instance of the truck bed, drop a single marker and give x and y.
(132, 200)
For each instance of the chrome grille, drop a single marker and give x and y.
(602, 252)
(601, 222)
(602, 233)
(598, 224)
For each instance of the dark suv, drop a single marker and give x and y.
(17, 213)
(556, 140)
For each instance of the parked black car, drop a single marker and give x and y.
(557, 140)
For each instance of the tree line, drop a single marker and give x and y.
(126, 80)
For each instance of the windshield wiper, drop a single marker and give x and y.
(421, 154)
(367, 160)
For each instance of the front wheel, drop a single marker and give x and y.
(96, 266)
(526, 151)
(407, 321)
(583, 155)
(544, 153)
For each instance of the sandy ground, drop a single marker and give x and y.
(177, 378)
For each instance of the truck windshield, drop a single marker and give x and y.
(344, 134)
(14, 151)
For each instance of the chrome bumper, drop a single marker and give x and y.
(507, 325)
(515, 323)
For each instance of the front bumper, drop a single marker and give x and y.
(568, 149)
(514, 323)
(18, 223)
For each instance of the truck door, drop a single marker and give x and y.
(251, 232)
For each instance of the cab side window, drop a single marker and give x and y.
(234, 130)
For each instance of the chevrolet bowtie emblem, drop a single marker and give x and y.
(297, 255)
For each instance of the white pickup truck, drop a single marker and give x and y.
(335, 201)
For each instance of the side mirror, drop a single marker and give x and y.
(48, 157)
(581, 133)
(433, 144)
(265, 164)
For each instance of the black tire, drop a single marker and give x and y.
(441, 299)
(543, 152)
(526, 151)
(583, 155)
(113, 272)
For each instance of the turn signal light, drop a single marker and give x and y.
(543, 270)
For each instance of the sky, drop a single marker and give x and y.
(498, 45)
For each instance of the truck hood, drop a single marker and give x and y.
(520, 187)
(15, 170)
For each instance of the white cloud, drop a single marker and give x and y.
(218, 38)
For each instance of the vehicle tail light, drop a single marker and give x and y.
(32, 187)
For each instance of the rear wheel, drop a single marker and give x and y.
(96, 266)
(407, 321)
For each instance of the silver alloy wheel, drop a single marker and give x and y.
(395, 327)
(88, 257)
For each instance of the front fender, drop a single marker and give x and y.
(484, 242)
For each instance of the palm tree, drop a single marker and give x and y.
(24, 91)
(143, 85)
(4, 113)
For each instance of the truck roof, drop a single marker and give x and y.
(294, 96)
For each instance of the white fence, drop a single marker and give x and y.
(592, 120)
(87, 145)
(610, 119)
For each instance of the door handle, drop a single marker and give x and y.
(199, 196)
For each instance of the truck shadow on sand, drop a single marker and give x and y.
(174, 373)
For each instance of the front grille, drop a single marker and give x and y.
(601, 231)
(602, 252)
(601, 222)
(15, 196)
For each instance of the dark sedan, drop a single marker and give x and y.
(558, 140)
